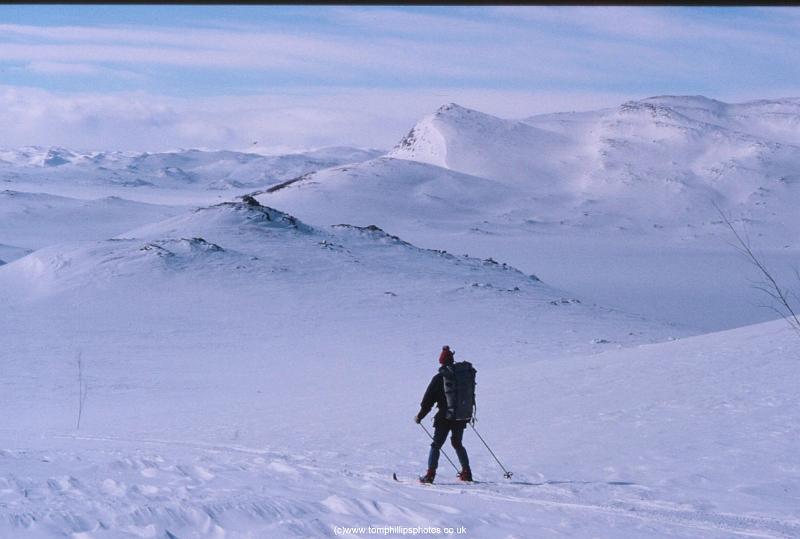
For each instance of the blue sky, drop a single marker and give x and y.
(152, 77)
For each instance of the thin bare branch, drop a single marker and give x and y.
(81, 390)
(769, 286)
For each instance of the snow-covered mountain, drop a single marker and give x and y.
(675, 155)
(639, 182)
(192, 169)
(661, 162)
(50, 195)
(478, 144)
(776, 120)
(243, 246)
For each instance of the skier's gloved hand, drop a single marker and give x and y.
(417, 419)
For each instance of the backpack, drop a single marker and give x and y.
(459, 390)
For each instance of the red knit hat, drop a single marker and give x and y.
(446, 356)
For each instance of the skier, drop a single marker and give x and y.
(435, 394)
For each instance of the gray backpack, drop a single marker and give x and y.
(459, 390)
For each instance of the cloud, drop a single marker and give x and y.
(57, 68)
(652, 25)
(326, 56)
(489, 47)
(297, 118)
(78, 69)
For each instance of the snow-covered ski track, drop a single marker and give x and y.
(101, 487)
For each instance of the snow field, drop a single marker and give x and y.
(252, 373)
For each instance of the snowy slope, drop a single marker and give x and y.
(776, 119)
(264, 386)
(671, 157)
(29, 221)
(383, 190)
(247, 375)
(211, 336)
(479, 144)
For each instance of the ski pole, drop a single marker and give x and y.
(507, 474)
(442, 450)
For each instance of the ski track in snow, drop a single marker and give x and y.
(647, 510)
(160, 488)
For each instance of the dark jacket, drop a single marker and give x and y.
(435, 395)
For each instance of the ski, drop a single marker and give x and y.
(418, 482)
(407, 481)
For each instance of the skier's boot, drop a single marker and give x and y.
(428, 477)
(465, 474)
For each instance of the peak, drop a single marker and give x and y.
(453, 108)
(253, 211)
(450, 106)
(453, 113)
(250, 201)
(656, 109)
(227, 219)
(56, 156)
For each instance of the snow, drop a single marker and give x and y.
(252, 364)
(190, 175)
(29, 221)
(644, 178)
(429, 193)
(479, 144)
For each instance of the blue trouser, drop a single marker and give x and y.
(441, 429)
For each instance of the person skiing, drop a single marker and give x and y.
(435, 394)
